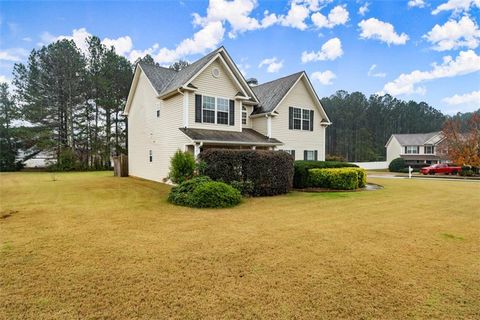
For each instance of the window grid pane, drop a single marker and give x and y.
(209, 116)
(222, 105)
(222, 117)
(244, 117)
(208, 103)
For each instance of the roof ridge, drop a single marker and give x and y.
(280, 78)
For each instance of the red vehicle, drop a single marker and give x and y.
(441, 168)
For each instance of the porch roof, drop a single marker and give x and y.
(245, 137)
(420, 157)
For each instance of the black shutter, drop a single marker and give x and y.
(290, 118)
(405, 149)
(198, 108)
(304, 154)
(311, 121)
(418, 149)
(232, 113)
(316, 155)
(293, 154)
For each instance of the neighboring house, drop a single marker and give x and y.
(415, 148)
(209, 104)
(36, 159)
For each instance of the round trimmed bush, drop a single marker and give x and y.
(215, 194)
(397, 165)
(202, 192)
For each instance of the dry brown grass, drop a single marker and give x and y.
(93, 246)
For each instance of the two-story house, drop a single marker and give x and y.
(209, 104)
(415, 148)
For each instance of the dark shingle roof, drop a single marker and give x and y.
(414, 139)
(271, 93)
(248, 136)
(158, 76)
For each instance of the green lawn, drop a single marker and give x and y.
(93, 246)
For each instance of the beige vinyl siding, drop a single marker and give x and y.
(147, 132)
(222, 87)
(394, 150)
(260, 124)
(299, 140)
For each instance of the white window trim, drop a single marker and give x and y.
(407, 151)
(216, 110)
(429, 146)
(301, 119)
(244, 111)
(312, 152)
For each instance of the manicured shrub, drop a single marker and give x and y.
(301, 176)
(202, 192)
(397, 165)
(246, 188)
(182, 166)
(215, 194)
(181, 193)
(362, 177)
(270, 172)
(67, 161)
(337, 178)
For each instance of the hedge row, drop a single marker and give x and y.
(338, 178)
(266, 173)
(301, 176)
(202, 192)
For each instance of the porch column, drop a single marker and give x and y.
(269, 127)
(196, 150)
(254, 147)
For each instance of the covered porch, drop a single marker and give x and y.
(203, 139)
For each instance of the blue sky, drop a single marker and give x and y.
(422, 50)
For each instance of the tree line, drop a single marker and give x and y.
(361, 126)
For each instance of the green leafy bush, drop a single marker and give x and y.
(246, 188)
(202, 192)
(182, 166)
(301, 175)
(397, 165)
(270, 172)
(215, 194)
(336, 178)
(362, 177)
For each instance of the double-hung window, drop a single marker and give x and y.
(305, 119)
(208, 109)
(150, 156)
(309, 155)
(244, 115)
(411, 149)
(222, 111)
(429, 149)
(300, 119)
(297, 118)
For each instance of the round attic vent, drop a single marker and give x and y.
(216, 72)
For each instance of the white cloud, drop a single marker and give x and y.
(363, 9)
(136, 54)
(122, 45)
(465, 102)
(27, 39)
(383, 31)
(330, 50)
(273, 64)
(236, 13)
(79, 36)
(13, 54)
(325, 77)
(337, 16)
(371, 72)
(295, 17)
(454, 34)
(416, 3)
(466, 62)
(457, 6)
